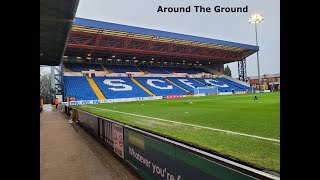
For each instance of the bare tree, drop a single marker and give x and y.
(45, 86)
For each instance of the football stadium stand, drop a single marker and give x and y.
(153, 70)
(159, 86)
(139, 62)
(184, 70)
(77, 67)
(232, 83)
(145, 64)
(119, 87)
(121, 69)
(143, 86)
(78, 87)
(222, 87)
(187, 83)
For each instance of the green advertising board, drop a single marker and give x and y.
(156, 159)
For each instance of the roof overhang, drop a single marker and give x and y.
(56, 18)
(102, 39)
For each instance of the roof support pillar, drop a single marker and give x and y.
(242, 70)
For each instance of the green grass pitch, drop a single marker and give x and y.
(211, 122)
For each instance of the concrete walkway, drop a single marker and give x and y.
(65, 154)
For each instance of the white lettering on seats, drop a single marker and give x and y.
(186, 82)
(110, 82)
(150, 82)
(214, 82)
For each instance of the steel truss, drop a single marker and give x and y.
(93, 42)
(242, 70)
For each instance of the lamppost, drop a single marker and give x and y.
(255, 19)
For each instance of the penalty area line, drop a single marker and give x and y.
(193, 125)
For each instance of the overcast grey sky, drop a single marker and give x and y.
(224, 26)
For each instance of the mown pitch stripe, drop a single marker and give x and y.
(203, 127)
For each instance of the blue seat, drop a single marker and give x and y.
(78, 67)
(187, 83)
(153, 70)
(79, 87)
(119, 87)
(238, 86)
(121, 68)
(159, 86)
(184, 70)
(222, 87)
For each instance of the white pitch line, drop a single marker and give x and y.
(214, 129)
(194, 99)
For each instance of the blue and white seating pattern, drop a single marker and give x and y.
(159, 86)
(119, 87)
(222, 87)
(232, 83)
(124, 87)
(187, 83)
